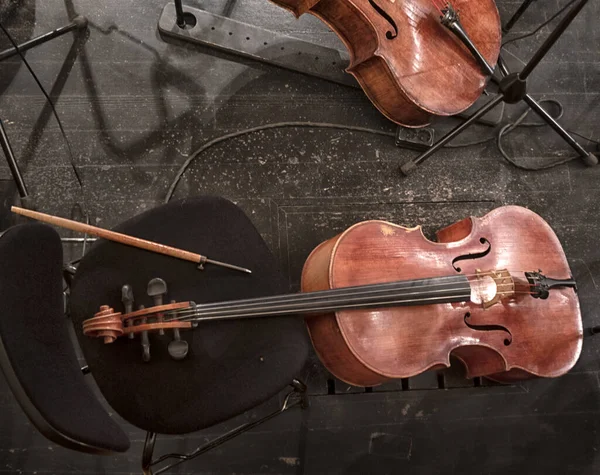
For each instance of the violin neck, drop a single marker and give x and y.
(401, 293)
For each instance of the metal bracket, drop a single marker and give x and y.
(256, 43)
(297, 397)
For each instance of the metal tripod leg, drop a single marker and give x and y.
(552, 38)
(12, 163)
(588, 158)
(79, 22)
(510, 23)
(408, 167)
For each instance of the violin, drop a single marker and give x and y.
(407, 62)
(382, 301)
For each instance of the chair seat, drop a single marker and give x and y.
(231, 366)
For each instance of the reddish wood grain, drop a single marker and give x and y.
(402, 342)
(425, 69)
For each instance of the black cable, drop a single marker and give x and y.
(60, 126)
(531, 33)
(276, 125)
(505, 130)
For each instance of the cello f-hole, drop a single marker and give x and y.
(489, 328)
(389, 34)
(475, 255)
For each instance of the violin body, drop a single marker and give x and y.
(409, 65)
(519, 337)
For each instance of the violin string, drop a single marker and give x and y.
(290, 305)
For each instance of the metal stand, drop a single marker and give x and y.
(79, 22)
(510, 23)
(513, 89)
(327, 63)
(296, 397)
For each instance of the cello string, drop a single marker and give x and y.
(321, 309)
(363, 288)
(309, 297)
(184, 314)
(368, 290)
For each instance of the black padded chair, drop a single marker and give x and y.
(36, 354)
(232, 366)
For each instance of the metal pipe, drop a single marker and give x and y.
(588, 158)
(510, 23)
(12, 163)
(179, 13)
(79, 22)
(554, 36)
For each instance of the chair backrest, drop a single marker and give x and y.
(36, 354)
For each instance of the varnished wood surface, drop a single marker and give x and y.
(403, 342)
(108, 234)
(411, 66)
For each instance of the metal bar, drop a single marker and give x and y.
(299, 389)
(410, 166)
(79, 22)
(510, 23)
(554, 36)
(180, 20)
(588, 158)
(249, 41)
(12, 163)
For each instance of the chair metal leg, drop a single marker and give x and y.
(147, 463)
(588, 158)
(148, 452)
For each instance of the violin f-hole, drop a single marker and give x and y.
(475, 255)
(389, 34)
(489, 328)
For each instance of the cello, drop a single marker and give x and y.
(383, 302)
(407, 62)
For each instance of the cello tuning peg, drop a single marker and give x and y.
(157, 289)
(178, 348)
(145, 341)
(127, 299)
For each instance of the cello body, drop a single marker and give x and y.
(517, 338)
(408, 64)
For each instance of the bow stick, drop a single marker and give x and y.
(125, 239)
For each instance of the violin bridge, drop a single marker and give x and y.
(488, 288)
